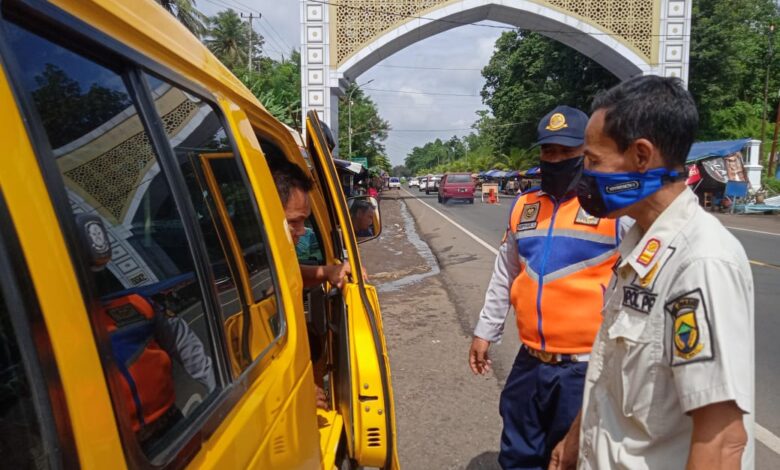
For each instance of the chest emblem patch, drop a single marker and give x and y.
(690, 328)
(529, 216)
(648, 253)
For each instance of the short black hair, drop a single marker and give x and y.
(359, 206)
(650, 107)
(288, 175)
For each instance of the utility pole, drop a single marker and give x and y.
(766, 87)
(250, 31)
(770, 167)
(349, 113)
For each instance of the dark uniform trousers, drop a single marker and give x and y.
(538, 404)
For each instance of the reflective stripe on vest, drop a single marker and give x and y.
(566, 259)
(147, 388)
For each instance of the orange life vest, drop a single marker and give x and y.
(566, 258)
(147, 388)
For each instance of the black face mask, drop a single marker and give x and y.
(561, 178)
(590, 198)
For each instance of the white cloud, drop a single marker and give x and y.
(466, 48)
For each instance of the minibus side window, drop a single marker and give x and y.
(21, 444)
(229, 220)
(148, 301)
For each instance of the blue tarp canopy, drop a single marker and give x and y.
(482, 173)
(492, 173)
(512, 174)
(533, 171)
(716, 148)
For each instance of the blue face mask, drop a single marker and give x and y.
(603, 193)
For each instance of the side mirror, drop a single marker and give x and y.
(366, 219)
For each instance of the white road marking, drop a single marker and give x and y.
(763, 435)
(753, 231)
(766, 437)
(765, 265)
(457, 225)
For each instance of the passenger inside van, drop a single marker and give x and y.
(293, 185)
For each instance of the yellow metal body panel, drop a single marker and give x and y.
(368, 435)
(331, 426)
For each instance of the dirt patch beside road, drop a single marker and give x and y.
(447, 418)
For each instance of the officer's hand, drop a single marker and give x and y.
(337, 273)
(478, 356)
(322, 400)
(564, 456)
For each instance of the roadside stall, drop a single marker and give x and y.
(530, 178)
(512, 185)
(712, 166)
(351, 174)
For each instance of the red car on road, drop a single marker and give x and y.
(456, 186)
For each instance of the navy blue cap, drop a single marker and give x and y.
(563, 125)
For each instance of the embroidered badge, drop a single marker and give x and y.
(124, 315)
(528, 217)
(638, 299)
(584, 218)
(557, 122)
(648, 253)
(530, 212)
(690, 328)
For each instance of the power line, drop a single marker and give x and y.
(222, 4)
(279, 36)
(279, 48)
(236, 2)
(454, 69)
(482, 25)
(431, 93)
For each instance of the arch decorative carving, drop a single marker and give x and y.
(343, 38)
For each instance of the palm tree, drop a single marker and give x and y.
(187, 14)
(229, 39)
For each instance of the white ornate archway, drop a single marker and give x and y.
(341, 39)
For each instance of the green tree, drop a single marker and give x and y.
(228, 39)
(186, 12)
(728, 59)
(401, 171)
(278, 86)
(528, 75)
(67, 111)
(369, 130)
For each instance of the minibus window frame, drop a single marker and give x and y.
(51, 23)
(35, 347)
(251, 372)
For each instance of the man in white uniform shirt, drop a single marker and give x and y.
(670, 383)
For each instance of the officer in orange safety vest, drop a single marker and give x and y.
(553, 267)
(143, 343)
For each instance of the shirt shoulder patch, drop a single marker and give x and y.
(649, 252)
(649, 280)
(691, 334)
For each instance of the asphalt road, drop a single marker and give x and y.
(759, 235)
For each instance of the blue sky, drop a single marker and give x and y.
(424, 67)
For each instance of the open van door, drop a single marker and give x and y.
(362, 385)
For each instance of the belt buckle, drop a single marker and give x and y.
(547, 357)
